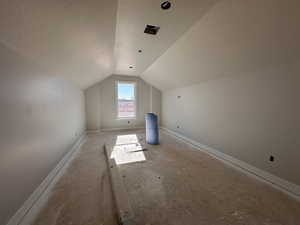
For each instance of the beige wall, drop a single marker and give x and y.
(101, 104)
(41, 117)
(248, 116)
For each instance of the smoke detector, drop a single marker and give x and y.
(151, 29)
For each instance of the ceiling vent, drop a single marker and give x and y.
(150, 29)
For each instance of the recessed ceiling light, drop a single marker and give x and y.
(165, 5)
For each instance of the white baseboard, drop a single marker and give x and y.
(285, 186)
(121, 128)
(93, 131)
(32, 206)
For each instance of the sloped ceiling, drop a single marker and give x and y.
(134, 15)
(71, 38)
(88, 40)
(232, 38)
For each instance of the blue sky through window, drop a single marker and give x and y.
(126, 91)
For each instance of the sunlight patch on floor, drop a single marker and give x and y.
(127, 150)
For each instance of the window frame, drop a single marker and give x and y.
(117, 99)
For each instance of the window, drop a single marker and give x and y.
(126, 100)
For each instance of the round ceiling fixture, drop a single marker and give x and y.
(165, 5)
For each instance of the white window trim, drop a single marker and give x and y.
(117, 100)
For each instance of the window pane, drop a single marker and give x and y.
(126, 100)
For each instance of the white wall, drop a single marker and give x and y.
(249, 116)
(41, 117)
(155, 101)
(92, 107)
(103, 96)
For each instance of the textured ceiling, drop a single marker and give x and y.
(88, 40)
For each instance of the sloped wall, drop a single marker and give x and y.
(101, 104)
(41, 116)
(237, 72)
(249, 116)
(233, 37)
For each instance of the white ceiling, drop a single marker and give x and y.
(234, 37)
(134, 15)
(72, 38)
(88, 40)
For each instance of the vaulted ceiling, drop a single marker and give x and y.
(134, 15)
(71, 38)
(235, 37)
(88, 40)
